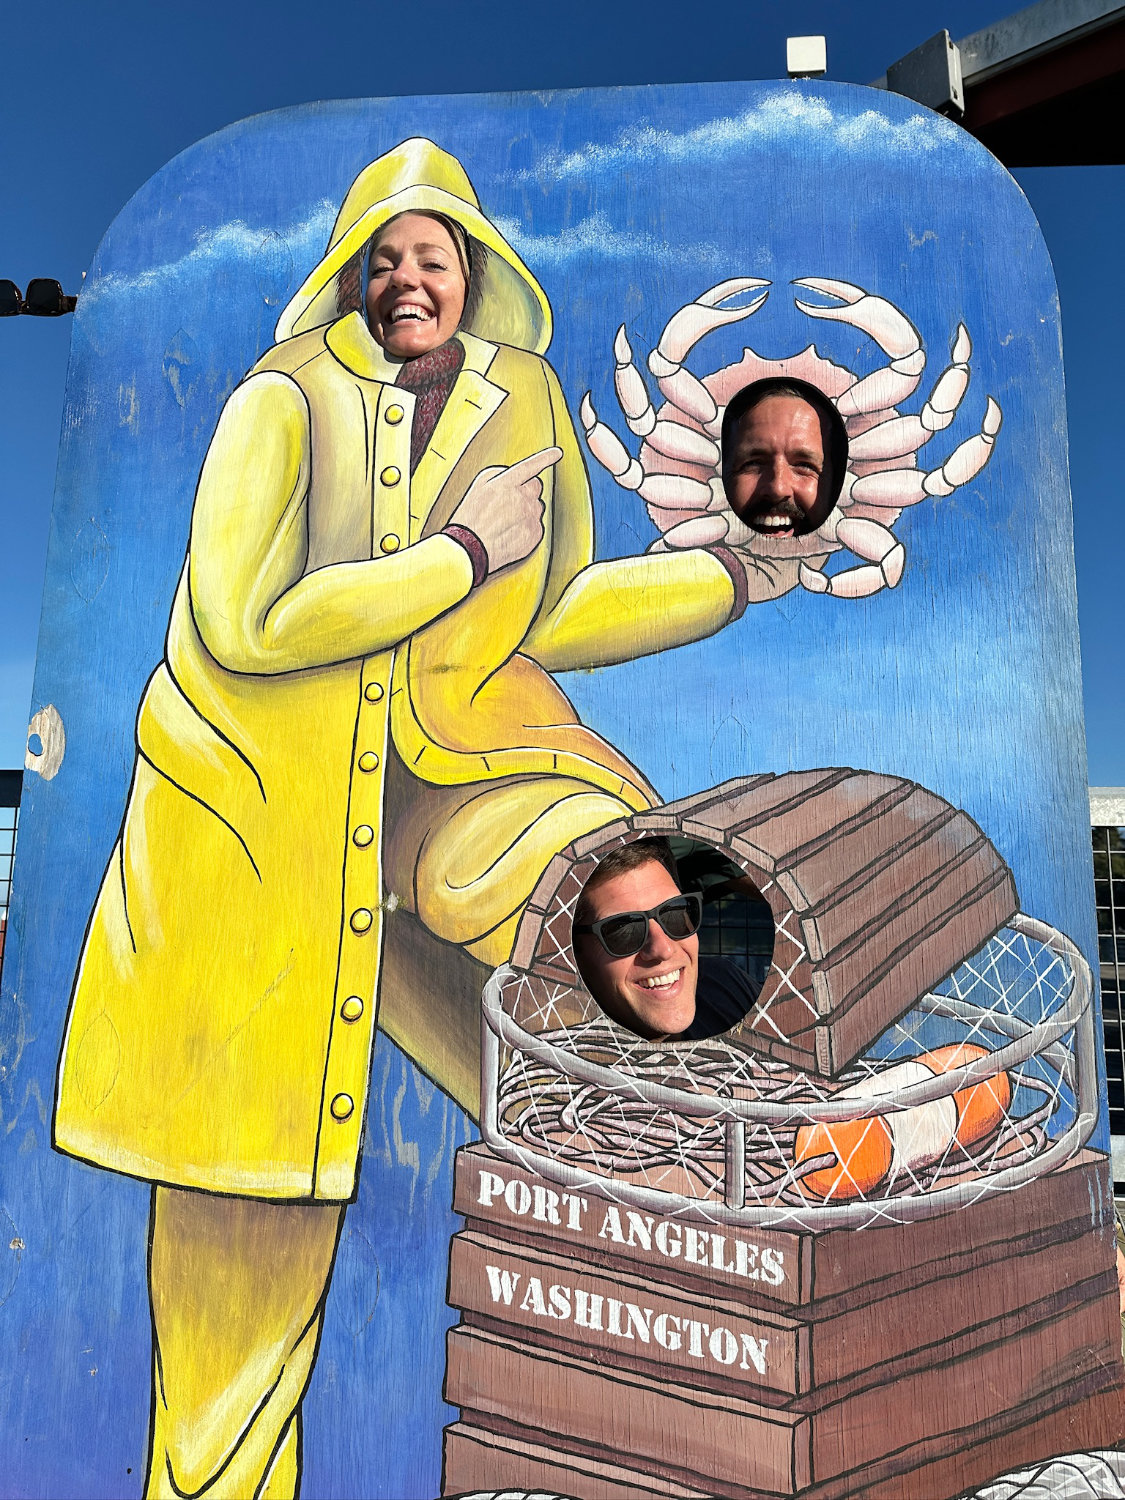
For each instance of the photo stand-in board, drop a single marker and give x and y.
(306, 1110)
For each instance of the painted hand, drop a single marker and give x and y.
(504, 507)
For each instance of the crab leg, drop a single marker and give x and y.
(686, 445)
(608, 448)
(683, 331)
(895, 334)
(894, 488)
(697, 531)
(952, 383)
(884, 555)
(632, 392)
(669, 491)
(903, 435)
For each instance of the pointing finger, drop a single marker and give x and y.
(529, 468)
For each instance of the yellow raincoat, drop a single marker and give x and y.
(352, 765)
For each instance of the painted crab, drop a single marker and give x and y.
(677, 470)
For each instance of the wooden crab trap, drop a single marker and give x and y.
(772, 1262)
(957, 1100)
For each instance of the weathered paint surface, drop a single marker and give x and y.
(626, 205)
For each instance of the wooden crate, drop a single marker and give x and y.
(802, 1269)
(731, 1445)
(848, 1353)
(479, 1456)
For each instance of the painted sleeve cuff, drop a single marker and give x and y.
(478, 553)
(737, 577)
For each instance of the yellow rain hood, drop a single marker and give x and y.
(418, 177)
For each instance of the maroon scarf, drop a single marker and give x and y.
(431, 378)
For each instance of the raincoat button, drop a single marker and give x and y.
(389, 543)
(342, 1106)
(361, 919)
(363, 835)
(373, 692)
(395, 415)
(369, 761)
(352, 1008)
(390, 475)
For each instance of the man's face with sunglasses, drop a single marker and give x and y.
(651, 990)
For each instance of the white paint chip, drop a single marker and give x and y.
(47, 727)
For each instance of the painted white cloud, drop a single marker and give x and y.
(597, 237)
(302, 245)
(780, 115)
(298, 246)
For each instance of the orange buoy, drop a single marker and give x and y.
(866, 1150)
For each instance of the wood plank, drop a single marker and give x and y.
(1001, 1377)
(719, 796)
(794, 1268)
(847, 915)
(688, 1432)
(613, 1318)
(974, 891)
(1059, 1423)
(642, 1323)
(855, 1001)
(866, 848)
(782, 835)
(756, 806)
(732, 1443)
(477, 1458)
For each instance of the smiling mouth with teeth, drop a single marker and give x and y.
(410, 311)
(775, 522)
(660, 981)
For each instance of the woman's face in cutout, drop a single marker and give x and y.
(415, 288)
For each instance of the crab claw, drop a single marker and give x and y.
(879, 319)
(885, 559)
(683, 331)
(685, 328)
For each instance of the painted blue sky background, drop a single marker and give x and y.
(94, 108)
(960, 679)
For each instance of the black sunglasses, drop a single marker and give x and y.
(625, 932)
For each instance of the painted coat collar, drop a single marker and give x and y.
(473, 400)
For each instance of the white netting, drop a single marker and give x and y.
(1077, 1476)
(718, 1127)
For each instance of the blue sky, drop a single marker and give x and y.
(91, 110)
